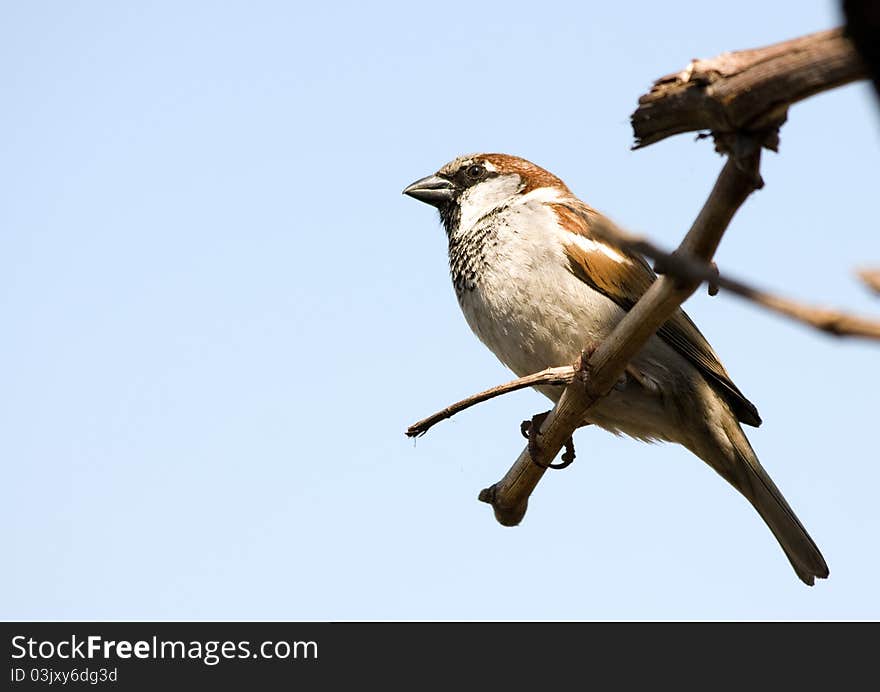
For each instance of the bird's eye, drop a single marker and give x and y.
(476, 171)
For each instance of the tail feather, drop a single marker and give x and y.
(746, 474)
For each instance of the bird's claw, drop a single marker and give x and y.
(531, 430)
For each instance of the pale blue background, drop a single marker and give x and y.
(219, 315)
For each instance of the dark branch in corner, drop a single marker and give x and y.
(863, 27)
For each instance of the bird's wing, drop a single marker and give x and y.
(624, 278)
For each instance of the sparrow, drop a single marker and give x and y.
(536, 285)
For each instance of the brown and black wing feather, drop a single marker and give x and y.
(625, 283)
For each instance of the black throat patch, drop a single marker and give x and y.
(468, 250)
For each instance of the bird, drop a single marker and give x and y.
(536, 284)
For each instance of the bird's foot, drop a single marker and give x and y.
(531, 430)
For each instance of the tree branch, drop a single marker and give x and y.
(597, 375)
(689, 268)
(742, 98)
(746, 90)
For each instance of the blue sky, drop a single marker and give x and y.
(220, 315)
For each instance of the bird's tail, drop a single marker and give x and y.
(740, 467)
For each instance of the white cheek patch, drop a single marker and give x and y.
(542, 194)
(479, 200)
(588, 245)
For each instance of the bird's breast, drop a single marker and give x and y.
(518, 296)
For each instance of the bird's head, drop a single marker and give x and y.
(470, 187)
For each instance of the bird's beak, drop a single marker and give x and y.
(432, 190)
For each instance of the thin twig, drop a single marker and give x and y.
(561, 375)
(829, 321)
(686, 267)
(871, 277)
